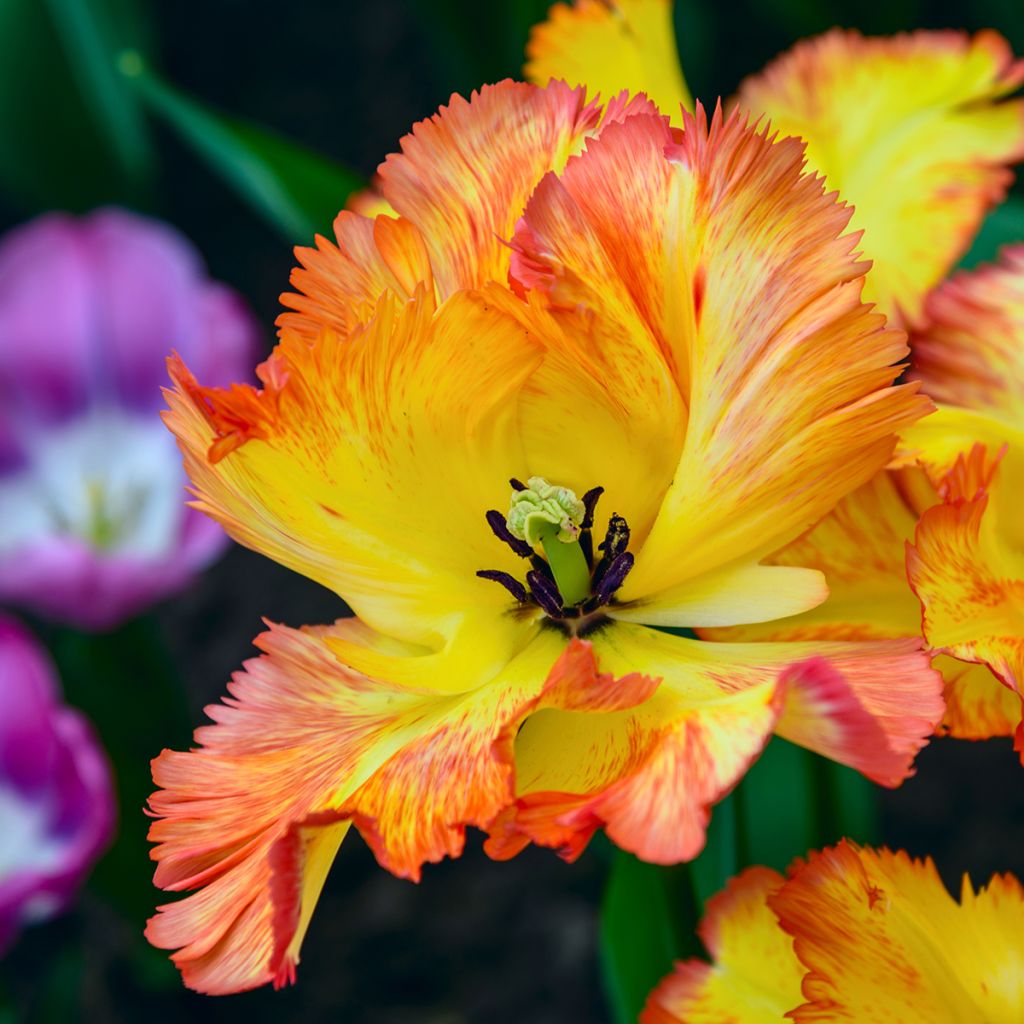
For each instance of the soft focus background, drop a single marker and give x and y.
(476, 941)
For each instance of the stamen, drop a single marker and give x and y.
(545, 593)
(613, 577)
(510, 583)
(499, 527)
(589, 504)
(517, 485)
(616, 540)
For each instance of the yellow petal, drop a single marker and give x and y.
(784, 373)
(755, 975)
(969, 580)
(911, 132)
(650, 773)
(253, 815)
(859, 549)
(969, 351)
(742, 593)
(369, 465)
(883, 941)
(978, 706)
(610, 46)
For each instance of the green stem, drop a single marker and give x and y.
(568, 566)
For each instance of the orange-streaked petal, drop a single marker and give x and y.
(784, 372)
(977, 705)
(970, 352)
(610, 46)
(253, 815)
(883, 940)
(859, 549)
(912, 132)
(343, 467)
(755, 977)
(447, 204)
(970, 583)
(650, 774)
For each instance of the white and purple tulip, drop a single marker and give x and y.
(93, 523)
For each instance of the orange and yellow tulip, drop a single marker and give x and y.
(648, 343)
(853, 934)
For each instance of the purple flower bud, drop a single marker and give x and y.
(56, 799)
(92, 496)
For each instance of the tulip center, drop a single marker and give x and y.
(551, 527)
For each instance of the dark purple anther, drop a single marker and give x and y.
(613, 578)
(496, 521)
(545, 593)
(590, 503)
(510, 583)
(616, 540)
(517, 485)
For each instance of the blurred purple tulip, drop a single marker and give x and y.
(56, 799)
(93, 525)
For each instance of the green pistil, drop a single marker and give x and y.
(551, 516)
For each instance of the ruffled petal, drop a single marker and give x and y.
(253, 816)
(755, 975)
(649, 774)
(969, 352)
(369, 465)
(610, 46)
(970, 582)
(914, 132)
(883, 940)
(859, 550)
(783, 375)
(453, 195)
(977, 707)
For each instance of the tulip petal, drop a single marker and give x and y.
(643, 230)
(342, 466)
(911, 131)
(253, 816)
(755, 977)
(454, 191)
(649, 774)
(883, 940)
(969, 352)
(610, 46)
(970, 582)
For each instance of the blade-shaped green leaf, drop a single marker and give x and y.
(297, 190)
(648, 920)
(778, 805)
(720, 858)
(1005, 224)
(53, 152)
(87, 30)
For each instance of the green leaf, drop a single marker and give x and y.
(124, 682)
(777, 803)
(1005, 224)
(848, 805)
(648, 920)
(87, 32)
(719, 860)
(298, 191)
(55, 153)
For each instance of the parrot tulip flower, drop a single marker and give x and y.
(564, 400)
(94, 528)
(56, 798)
(913, 130)
(852, 934)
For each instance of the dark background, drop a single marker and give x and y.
(475, 941)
